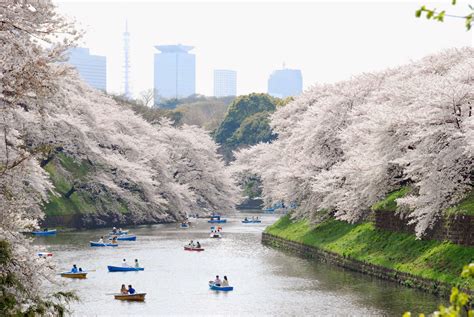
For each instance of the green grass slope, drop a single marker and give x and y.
(436, 260)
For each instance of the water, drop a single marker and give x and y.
(266, 281)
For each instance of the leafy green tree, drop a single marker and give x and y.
(242, 108)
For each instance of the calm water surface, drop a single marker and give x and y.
(267, 282)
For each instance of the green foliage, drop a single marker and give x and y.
(253, 129)
(460, 301)
(465, 206)
(436, 260)
(389, 202)
(242, 108)
(433, 14)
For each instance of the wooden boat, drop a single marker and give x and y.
(79, 275)
(124, 269)
(126, 238)
(220, 288)
(98, 244)
(45, 233)
(190, 248)
(137, 297)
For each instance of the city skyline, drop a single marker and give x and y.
(270, 36)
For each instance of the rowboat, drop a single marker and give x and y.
(126, 238)
(118, 233)
(190, 248)
(79, 275)
(138, 297)
(251, 221)
(217, 219)
(220, 288)
(99, 244)
(44, 254)
(215, 235)
(123, 269)
(45, 233)
(184, 225)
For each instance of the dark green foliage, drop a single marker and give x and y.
(253, 129)
(232, 130)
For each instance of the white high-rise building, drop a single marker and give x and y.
(92, 68)
(285, 83)
(175, 72)
(225, 83)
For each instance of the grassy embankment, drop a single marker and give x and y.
(64, 171)
(436, 260)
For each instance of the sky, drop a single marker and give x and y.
(328, 41)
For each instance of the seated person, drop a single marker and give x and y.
(131, 290)
(225, 282)
(114, 230)
(198, 245)
(80, 270)
(123, 290)
(217, 281)
(124, 263)
(101, 240)
(114, 240)
(74, 269)
(136, 263)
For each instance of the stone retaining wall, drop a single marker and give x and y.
(457, 228)
(431, 286)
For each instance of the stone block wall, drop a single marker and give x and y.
(457, 228)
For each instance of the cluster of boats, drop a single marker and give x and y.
(123, 235)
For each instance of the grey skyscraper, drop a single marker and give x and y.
(175, 72)
(285, 82)
(91, 68)
(225, 83)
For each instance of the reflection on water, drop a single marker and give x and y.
(266, 281)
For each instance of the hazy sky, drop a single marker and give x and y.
(328, 41)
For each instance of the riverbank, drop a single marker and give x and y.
(431, 265)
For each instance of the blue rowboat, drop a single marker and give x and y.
(98, 244)
(220, 288)
(45, 233)
(184, 225)
(118, 233)
(123, 269)
(217, 221)
(126, 238)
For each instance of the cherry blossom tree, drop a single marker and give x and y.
(343, 147)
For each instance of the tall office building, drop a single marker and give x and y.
(285, 82)
(92, 68)
(175, 72)
(225, 83)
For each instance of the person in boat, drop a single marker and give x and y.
(114, 240)
(246, 219)
(80, 270)
(225, 282)
(45, 229)
(131, 290)
(198, 245)
(123, 290)
(120, 230)
(124, 263)
(217, 281)
(136, 263)
(114, 230)
(74, 268)
(101, 240)
(191, 243)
